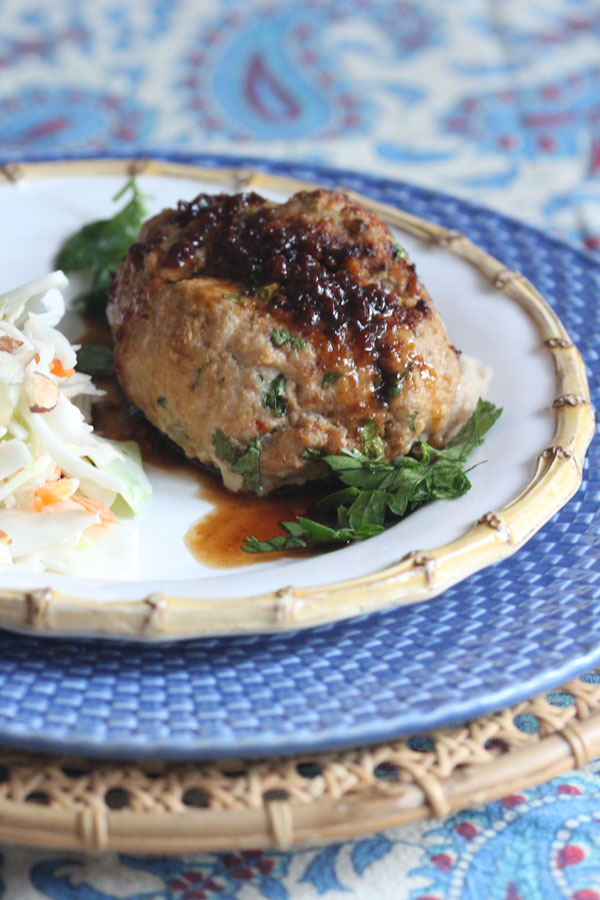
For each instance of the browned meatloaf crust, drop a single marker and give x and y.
(255, 334)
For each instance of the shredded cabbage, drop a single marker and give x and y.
(58, 480)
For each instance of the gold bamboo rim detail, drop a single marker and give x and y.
(415, 578)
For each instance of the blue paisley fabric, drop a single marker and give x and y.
(498, 101)
(495, 101)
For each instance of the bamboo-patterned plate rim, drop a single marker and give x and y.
(419, 575)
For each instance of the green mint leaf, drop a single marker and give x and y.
(373, 445)
(275, 400)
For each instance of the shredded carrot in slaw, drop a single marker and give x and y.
(54, 492)
(107, 517)
(57, 368)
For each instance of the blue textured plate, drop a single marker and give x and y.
(505, 633)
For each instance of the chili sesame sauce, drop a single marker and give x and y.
(335, 275)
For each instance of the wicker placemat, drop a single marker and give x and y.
(153, 807)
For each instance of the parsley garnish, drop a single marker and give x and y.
(275, 399)
(395, 384)
(330, 378)
(279, 337)
(100, 246)
(244, 461)
(313, 453)
(373, 445)
(375, 492)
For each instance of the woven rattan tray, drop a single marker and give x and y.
(67, 803)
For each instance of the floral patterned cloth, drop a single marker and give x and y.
(541, 844)
(496, 101)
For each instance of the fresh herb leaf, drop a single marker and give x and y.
(224, 447)
(330, 378)
(275, 399)
(276, 544)
(411, 421)
(280, 337)
(471, 434)
(100, 246)
(95, 359)
(395, 384)
(244, 461)
(399, 252)
(248, 466)
(373, 445)
(376, 492)
(313, 453)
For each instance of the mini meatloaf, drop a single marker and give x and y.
(260, 336)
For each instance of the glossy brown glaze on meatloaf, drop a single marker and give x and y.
(256, 334)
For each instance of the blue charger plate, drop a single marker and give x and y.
(517, 628)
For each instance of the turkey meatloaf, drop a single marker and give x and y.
(259, 336)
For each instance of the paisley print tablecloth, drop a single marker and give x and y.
(495, 101)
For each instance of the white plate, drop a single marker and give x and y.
(187, 598)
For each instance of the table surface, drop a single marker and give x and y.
(498, 103)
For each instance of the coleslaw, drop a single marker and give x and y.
(60, 483)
